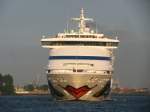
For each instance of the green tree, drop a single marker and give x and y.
(8, 87)
(1, 82)
(6, 84)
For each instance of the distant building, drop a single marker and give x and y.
(20, 90)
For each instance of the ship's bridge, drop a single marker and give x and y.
(82, 41)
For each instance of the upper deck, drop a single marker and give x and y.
(84, 36)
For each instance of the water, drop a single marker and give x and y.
(119, 103)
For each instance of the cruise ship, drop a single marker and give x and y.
(80, 63)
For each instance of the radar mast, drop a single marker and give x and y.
(82, 21)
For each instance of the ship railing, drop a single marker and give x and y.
(104, 72)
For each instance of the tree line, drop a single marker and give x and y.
(31, 87)
(6, 84)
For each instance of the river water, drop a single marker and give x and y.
(119, 103)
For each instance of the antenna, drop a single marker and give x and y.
(96, 28)
(67, 27)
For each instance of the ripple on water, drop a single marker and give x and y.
(119, 103)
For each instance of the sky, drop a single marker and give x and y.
(23, 22)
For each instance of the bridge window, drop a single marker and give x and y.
(80, 43)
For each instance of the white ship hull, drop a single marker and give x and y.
(77, 73)
(79, 87)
